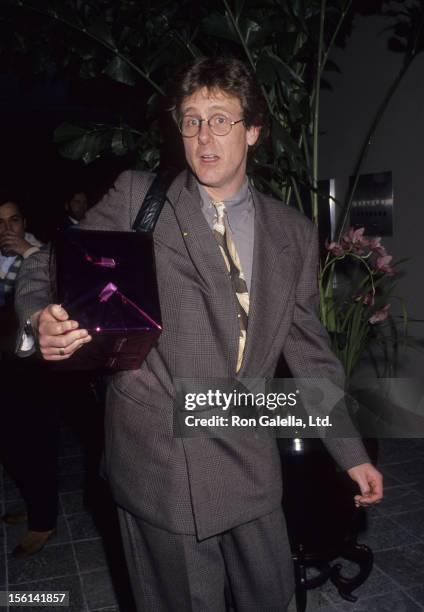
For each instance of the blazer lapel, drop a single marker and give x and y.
(274, 270)
(204, 252)
(195, 231)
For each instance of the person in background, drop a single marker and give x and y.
(28, 427)
(16, 244)
(76, 204)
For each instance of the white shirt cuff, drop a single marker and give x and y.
(27, 340)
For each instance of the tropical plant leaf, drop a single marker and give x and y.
(252, 31)
(220, 26)
(298, 8)
(270, 67)
(100, 29)
(148, 158)
(282, 142)
(239, 6)
(119, 70)
(119, 144)
(76, 142)
(330, 65)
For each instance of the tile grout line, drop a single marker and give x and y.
(330, 603)
(37, 580)
(14, 499)
(412, 597)
(54, 544)
(86, 608)
(397, 583)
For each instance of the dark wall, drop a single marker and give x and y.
(367, 70)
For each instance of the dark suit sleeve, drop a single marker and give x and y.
(308, 353)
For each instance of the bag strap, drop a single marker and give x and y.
(154, 200)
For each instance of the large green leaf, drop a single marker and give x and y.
(68, 14)
(67, 132)
(282, 142)
(330, 65)
(239, 6)
(119, 145)
(270, 68)
(148, 158)
(251, 31)
(168, 54)
(100, 29)
(220, 26)
(119, 70)
(123, 140)
(76, 142)
(298, 8)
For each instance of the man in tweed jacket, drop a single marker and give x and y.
(201, 519)
(15, 245)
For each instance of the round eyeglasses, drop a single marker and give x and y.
(219, 125)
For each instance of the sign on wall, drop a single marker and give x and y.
(372, 204)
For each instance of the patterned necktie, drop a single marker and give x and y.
(228, 250)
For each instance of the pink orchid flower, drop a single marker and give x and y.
(335, 248)
(368, 299)
(376, 246)
(354, 240)
(380, 315)
(383, 265)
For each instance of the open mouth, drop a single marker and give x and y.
(209, 158)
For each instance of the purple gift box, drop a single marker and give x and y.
(107, 282)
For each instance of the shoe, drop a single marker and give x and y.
(15, 518)
(33, 542)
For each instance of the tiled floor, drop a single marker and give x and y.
(395, 533)
(85, 557)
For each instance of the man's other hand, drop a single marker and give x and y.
(370, 483)
(58, 336)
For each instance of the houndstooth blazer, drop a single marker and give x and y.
(193, 485)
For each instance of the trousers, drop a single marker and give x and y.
(247, 569)
(29, 424)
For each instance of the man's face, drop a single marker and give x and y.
(219, 162)
(11, 220)
(77, 206)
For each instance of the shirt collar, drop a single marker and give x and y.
(238, 202)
